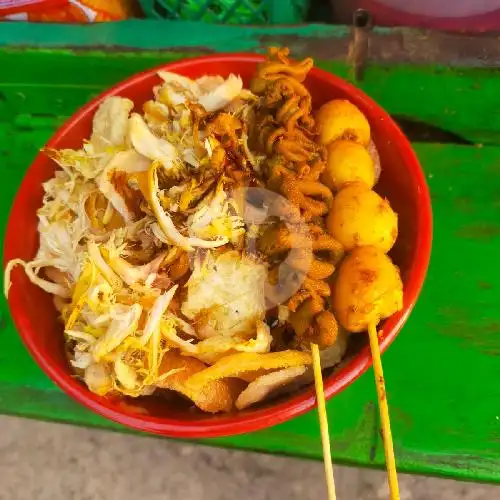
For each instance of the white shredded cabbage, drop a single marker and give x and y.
(98, 378)
(180, 87)
(212, 92)
(31, 270)
(109, 126)
(216, 219)
(150, 146)
(219, 97)
(123, 324)
(81, 360)
(129, 273)
(156, 313)
(125, 162)
(167, 226)
(208, 83)
(95, 255)
(84, 162)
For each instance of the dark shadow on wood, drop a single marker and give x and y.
(418, 131)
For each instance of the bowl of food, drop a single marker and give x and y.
(188, 234)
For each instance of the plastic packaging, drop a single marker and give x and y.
(66, 11)
(10, 7)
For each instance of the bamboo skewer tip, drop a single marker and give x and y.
(384, 413)
(384, 417)
(323, 422)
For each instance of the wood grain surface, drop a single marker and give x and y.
(442, 372)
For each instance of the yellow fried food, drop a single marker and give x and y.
(360, 217)
(214, 396)
(340, 119)
(235, 365)
(347, 162)
(287, 135)
(264, 386)
(368, 288)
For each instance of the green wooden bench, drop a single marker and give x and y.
(443, 371)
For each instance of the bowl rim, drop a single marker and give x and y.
(295, 404)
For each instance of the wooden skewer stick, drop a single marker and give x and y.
(323, 422)
(384, 413)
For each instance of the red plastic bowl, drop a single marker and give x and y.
(402, 181)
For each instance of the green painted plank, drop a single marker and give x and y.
(137, 34)
(49, 83)
(441, 372)
(386, 45)
(446, 418)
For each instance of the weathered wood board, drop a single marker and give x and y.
(441, 372)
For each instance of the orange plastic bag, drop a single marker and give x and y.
(66, 11)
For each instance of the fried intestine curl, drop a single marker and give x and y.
(285, 133)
